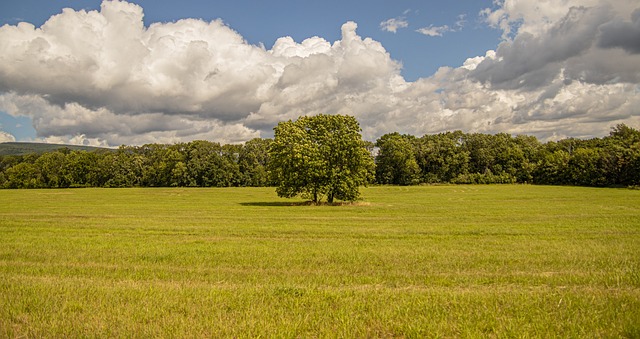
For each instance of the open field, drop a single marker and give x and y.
(434, 261)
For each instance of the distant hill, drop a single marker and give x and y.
(22, 148)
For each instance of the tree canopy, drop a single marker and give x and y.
(320, 156)
(396, 162)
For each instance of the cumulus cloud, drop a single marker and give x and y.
(392, 25)
(6, 137)
(103, 78)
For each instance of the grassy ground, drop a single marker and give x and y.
(438, 261)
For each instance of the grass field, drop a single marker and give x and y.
(430, 261)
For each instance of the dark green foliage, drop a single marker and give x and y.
(396, 161)
(552, 168)
(441, 157)
(211, 165)
(252, 162)
(319, 156)
(22, 175)
(608, 161)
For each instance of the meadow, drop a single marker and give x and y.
(420, 261)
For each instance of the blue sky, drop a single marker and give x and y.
(491, 82)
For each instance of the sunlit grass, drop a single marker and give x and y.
(449, 261)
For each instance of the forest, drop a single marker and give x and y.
(451, 157)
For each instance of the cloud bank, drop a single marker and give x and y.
(102, 77)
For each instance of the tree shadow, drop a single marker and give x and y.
(276, 203)
(296, 203)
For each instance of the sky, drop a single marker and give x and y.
(157, 71)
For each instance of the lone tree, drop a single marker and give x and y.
(318, 156)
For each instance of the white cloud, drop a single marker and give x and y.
(434, 30)
(392, 25)
(462, 20)
(102, 78)
(6, 137)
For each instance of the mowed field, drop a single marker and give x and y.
(427, 261)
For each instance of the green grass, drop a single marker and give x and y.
(430, 261)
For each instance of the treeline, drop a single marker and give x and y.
(456, 157)
(452, 157)
(193, 164)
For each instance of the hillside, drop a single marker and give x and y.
(22, 148)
